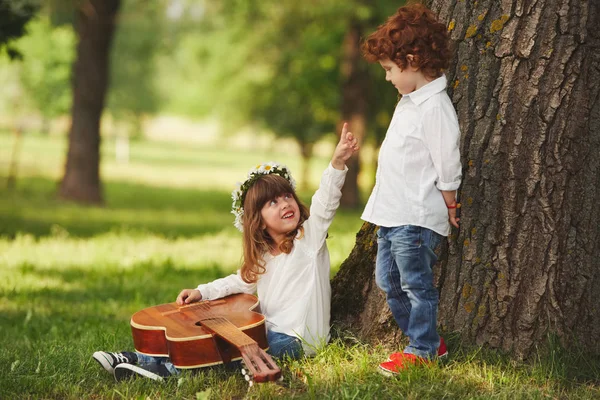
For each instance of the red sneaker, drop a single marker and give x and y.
(400, 363)
(442, 352)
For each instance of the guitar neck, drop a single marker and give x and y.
(228, 331)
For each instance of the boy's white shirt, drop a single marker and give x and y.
(418, 158)
(294, 291)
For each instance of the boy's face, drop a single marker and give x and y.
(405, 81)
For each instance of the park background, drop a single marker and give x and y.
(199, 92)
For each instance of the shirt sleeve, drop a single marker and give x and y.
(226, 286)
(323, 206)
(442, 138)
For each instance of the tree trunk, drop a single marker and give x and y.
(306, 150)
(526, 85)
(354, 108)
(11, 180)
(96, 21)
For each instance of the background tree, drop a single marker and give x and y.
(46, 70)
(300, 96)
(14, 15)
(137, 41)
(285, 67)
(270, 64)
(95, 22)
(526, 84)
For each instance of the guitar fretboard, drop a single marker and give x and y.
(228, 331)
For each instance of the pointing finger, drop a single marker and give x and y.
(344, 130)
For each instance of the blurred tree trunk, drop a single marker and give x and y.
(526, 85)
(96, 21)
(13, 168)
(354, 107)
(306, 150)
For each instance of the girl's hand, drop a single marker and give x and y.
(188, 296)
(347, 146)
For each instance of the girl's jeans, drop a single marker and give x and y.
(405, 258)
(280, 345)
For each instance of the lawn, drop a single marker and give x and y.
(71, 276)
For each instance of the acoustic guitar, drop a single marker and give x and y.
(207, 333)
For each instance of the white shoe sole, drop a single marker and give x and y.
(125, 371)
(385, 372)
(104, 361)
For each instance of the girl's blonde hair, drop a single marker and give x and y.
(256, 240)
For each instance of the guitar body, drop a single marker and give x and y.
(177, 332)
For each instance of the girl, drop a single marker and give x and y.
(285, 261)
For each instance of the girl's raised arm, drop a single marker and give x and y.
(326, 200)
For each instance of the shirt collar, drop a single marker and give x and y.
(425, 92)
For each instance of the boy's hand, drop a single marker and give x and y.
(452, 217)
(347, 146)
(188, 296)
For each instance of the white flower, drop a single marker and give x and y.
(237, 195)
(238, 212)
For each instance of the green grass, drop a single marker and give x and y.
(71, 276)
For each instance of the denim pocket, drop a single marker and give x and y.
(405, 240)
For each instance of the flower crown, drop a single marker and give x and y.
(239, 194)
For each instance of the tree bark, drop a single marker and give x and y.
(96, 21)
(354, 108)
(526, 85)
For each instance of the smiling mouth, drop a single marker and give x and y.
(288, 215)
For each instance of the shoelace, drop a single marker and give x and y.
(120, 357)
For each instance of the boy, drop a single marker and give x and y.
(413, 201)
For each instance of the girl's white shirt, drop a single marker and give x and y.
(418, 158)
(294, 291)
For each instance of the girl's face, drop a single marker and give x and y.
(280, 216)
(405, 81)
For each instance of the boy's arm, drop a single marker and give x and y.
(450, 200)
(442, 137)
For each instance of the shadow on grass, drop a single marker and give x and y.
(33, 208)
(72, 298)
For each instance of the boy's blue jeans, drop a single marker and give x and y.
(280, 345)
(405, 258)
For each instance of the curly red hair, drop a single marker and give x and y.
(413, 29)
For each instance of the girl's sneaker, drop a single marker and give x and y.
(127, 371)
(110, 360)
(442, 352)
